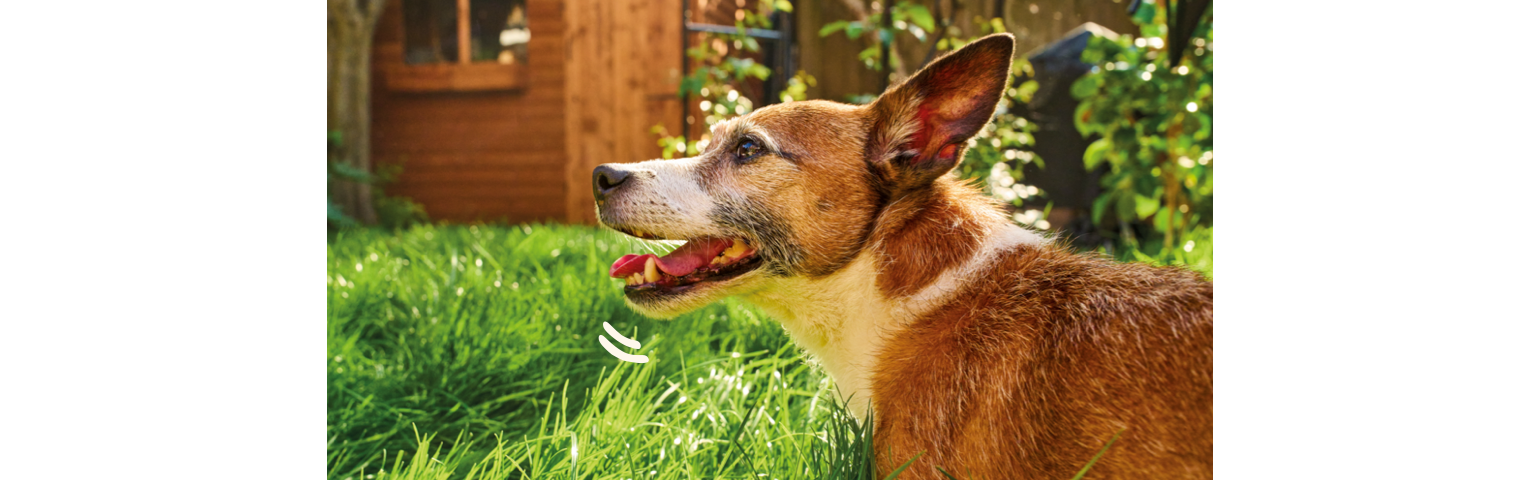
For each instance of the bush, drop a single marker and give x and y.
(392, 212)
(1154, 118)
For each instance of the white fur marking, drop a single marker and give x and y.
(1003, 237)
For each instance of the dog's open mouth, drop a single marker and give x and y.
(698, 261)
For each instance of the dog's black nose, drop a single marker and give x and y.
(607, 179)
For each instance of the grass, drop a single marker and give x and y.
(472, 352)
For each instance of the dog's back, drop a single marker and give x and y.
(1034, 367)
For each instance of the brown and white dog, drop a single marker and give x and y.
(997, 353)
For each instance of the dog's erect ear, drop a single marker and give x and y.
(922, 127)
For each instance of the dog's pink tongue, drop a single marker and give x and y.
(683, 260)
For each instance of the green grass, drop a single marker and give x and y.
(472, 352)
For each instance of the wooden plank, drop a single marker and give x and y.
(416, 162)
(589, 96)
(619, 62)
(500, 205)
(548, 193)
(549, 12)
(483, 177)
(470, 210)
(521, 134)
(494, 106)
(507, 212)
(462, 77)
(463, 24)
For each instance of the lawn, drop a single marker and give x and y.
(472, 352)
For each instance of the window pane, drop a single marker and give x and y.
(432, 33)
(499, 31)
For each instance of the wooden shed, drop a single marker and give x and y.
(511, 127)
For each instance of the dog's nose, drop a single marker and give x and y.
(607, 179)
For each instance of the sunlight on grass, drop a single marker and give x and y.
(472, 352)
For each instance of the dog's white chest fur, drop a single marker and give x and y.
(843, 319)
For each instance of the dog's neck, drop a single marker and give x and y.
(843, 318)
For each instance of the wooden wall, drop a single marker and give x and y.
(471, 156)
(601, 73)
(623, 59)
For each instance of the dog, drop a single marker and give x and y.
(983, 349)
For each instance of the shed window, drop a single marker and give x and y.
(462, 45)
(498, 31)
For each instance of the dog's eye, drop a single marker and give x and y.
(747, 148)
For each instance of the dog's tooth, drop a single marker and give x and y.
(652, 270)
(736, 249)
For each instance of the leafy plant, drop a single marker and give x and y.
(720, 73)
(392, 211)
(909, 17)
(1154, 118)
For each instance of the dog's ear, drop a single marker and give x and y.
(921, 128)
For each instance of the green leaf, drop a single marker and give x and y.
(1085, 87)
(1205, 126)
(1025, 90)
(1099, 206)
(1145, 206)
(349, 172)
(869, 53)
(919, 15)
(832, 27)
(1126, 209)
(783, 5)
(1145, 14)
(689, 85)
(1082, 114)
(760, 71)
(1096, 153)
(854, 29)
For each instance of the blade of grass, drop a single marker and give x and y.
(1098, 456)
(944, 472)
(905, 466)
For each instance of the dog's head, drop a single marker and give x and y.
(794, 190)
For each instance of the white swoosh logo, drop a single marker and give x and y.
(622, 339)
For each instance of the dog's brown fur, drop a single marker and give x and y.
(997, 354)
(1028, 373)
